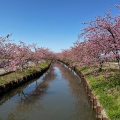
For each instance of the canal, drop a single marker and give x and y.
(56, 95)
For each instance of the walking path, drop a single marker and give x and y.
(2, 71)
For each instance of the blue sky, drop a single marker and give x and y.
(53, 24)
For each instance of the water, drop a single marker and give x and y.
(57, 95)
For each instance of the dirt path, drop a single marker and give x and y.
(2, 71)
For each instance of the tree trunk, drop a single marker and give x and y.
(100, 66)
(118, 61)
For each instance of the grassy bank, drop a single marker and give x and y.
(14, 76)
(106, 86)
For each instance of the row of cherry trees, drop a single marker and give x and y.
(13, 56)
(101, 42)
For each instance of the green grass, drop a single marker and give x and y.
(14, 76)
(106, 86)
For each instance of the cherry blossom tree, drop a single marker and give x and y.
(101, 42)
(13, 56)
(40, 54)
(104, 36)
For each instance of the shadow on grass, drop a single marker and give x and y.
(113, 83)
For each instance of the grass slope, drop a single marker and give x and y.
(106, 86)
(14, 76)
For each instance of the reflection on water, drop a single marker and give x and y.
(57, 95)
